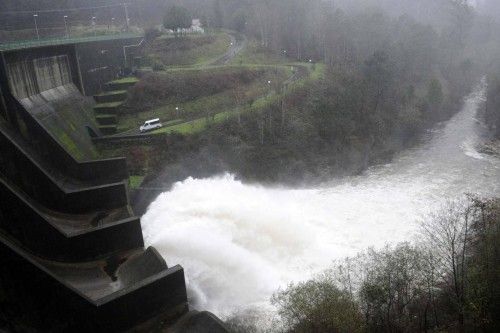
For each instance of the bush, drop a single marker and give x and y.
(317, 306)
(156, 66)
(151, 34)
(154, 89)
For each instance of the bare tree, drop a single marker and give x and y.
(448, 235)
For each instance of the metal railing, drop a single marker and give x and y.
(8, 46)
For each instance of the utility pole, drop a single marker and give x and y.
(127, 20)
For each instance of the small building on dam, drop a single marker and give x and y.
(72, 254)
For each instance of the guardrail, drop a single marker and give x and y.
(9, 46)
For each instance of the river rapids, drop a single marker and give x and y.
(239, 243)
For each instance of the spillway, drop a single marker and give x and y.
(239, 243)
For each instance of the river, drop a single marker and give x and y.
(239, 243)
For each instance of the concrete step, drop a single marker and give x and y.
(107, 119)
(52, 188)
(111, 96)
(79, 237)
(108, 129)
(121, 84)
(108, 295)
(108, 108)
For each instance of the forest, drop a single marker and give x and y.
(388, 79)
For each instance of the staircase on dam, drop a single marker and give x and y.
(71, 249)
(109, 103)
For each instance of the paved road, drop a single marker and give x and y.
(238, 43)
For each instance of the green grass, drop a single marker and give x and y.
(316, 72)
(110, 115)
(130, 79)
(193, 54)
(199, 107)
(70, 146)
(173, 122)
(254, 53)
(135, 181)
(194, 126)
(111, 93)
(108, 105)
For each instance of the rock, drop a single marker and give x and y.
(491, 148)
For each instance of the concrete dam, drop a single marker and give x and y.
(71, 248)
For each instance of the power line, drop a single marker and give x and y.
(64, 10)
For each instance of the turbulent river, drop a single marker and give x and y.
(239, 243)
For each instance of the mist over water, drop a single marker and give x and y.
(239, 243)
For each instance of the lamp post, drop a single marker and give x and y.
(177, 112)
(101, 67)
(36, 26)
(127, 19)
(93, 24)
(66, 26)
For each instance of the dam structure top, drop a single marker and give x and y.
(34, 43)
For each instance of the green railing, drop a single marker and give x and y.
(9, 46)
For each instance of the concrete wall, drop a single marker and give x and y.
(46, 125)
(74, 240)
(33, 178)
(46, 303)
(101, 62)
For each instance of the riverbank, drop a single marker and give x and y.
(491, 148)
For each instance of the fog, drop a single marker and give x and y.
(317, 130)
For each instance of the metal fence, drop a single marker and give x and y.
(6, 46)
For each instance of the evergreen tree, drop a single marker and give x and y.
(177, 18)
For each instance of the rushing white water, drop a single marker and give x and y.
(239, 243)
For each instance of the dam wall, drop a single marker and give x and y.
(42, 98)
(103, 61)
(71, 248)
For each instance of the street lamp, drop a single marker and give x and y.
(36, 26)
(177, 111)
(66, 26)
(93, 24)
(101, 67)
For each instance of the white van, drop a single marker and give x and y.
(150, 125)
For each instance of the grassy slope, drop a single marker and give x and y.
(135, 181)
(199, 113)
(222, 105)
(254, 53)
(200, 107)
(198, 125)
(188, 51)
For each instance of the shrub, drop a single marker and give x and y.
(317, 305)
